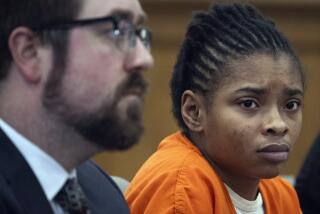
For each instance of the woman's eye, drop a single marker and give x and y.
(249, 104)
(292, 105)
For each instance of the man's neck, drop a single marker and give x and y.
(59, 141)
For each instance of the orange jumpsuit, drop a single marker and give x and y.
(178, 179)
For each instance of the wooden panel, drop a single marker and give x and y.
(168, 19)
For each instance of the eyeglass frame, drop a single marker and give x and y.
(67, 25)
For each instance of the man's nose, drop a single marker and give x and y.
(140, 58)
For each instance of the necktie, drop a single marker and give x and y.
(72, 199)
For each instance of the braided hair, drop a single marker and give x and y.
(216, 36)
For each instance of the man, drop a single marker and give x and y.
(71, 86)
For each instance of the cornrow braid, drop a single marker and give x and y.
(224, 32)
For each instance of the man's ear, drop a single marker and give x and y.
(24, 46)
(192, 111)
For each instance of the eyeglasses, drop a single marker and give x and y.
(123, 31)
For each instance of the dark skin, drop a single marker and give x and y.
(252, 123)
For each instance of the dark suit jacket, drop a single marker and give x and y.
(308, 180)
(21, 193)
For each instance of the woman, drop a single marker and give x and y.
(237, 92)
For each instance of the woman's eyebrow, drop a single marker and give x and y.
(261, 91)
(252, 90)
(293, 92)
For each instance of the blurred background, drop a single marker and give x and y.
(298, 19)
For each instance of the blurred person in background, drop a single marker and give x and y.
(308, 180)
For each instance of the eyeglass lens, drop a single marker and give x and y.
(128, 31)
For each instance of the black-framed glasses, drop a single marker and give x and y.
(123, 31)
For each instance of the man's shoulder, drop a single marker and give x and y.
(89, 172)
(100, 189)
(8, 202)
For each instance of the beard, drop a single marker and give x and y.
(107, 127)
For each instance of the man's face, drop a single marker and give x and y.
(101, 91)
(255, 118)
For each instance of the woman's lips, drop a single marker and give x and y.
(275, 153)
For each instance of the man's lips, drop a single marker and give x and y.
(138, 91)
(276, 153)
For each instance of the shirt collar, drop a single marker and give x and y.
(245, 205)
(50, 174)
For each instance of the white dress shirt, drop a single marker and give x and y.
(50, 174)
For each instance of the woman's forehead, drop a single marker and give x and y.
(260, 68)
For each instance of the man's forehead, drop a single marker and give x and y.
(100, 8)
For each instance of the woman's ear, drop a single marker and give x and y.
(192, 111)
(24, 46)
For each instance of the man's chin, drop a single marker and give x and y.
(115, 133)
(123, 139)
(118, 127)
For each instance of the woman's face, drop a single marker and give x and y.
(255, 117)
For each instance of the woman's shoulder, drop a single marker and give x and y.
(173, 176)
(279, 196)
(277, 184)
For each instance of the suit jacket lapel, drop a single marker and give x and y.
(21, 179)
(102, 193)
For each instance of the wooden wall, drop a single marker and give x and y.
(298, 19)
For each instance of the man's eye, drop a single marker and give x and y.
(249, 104)
(125, 27)
(292, 105)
